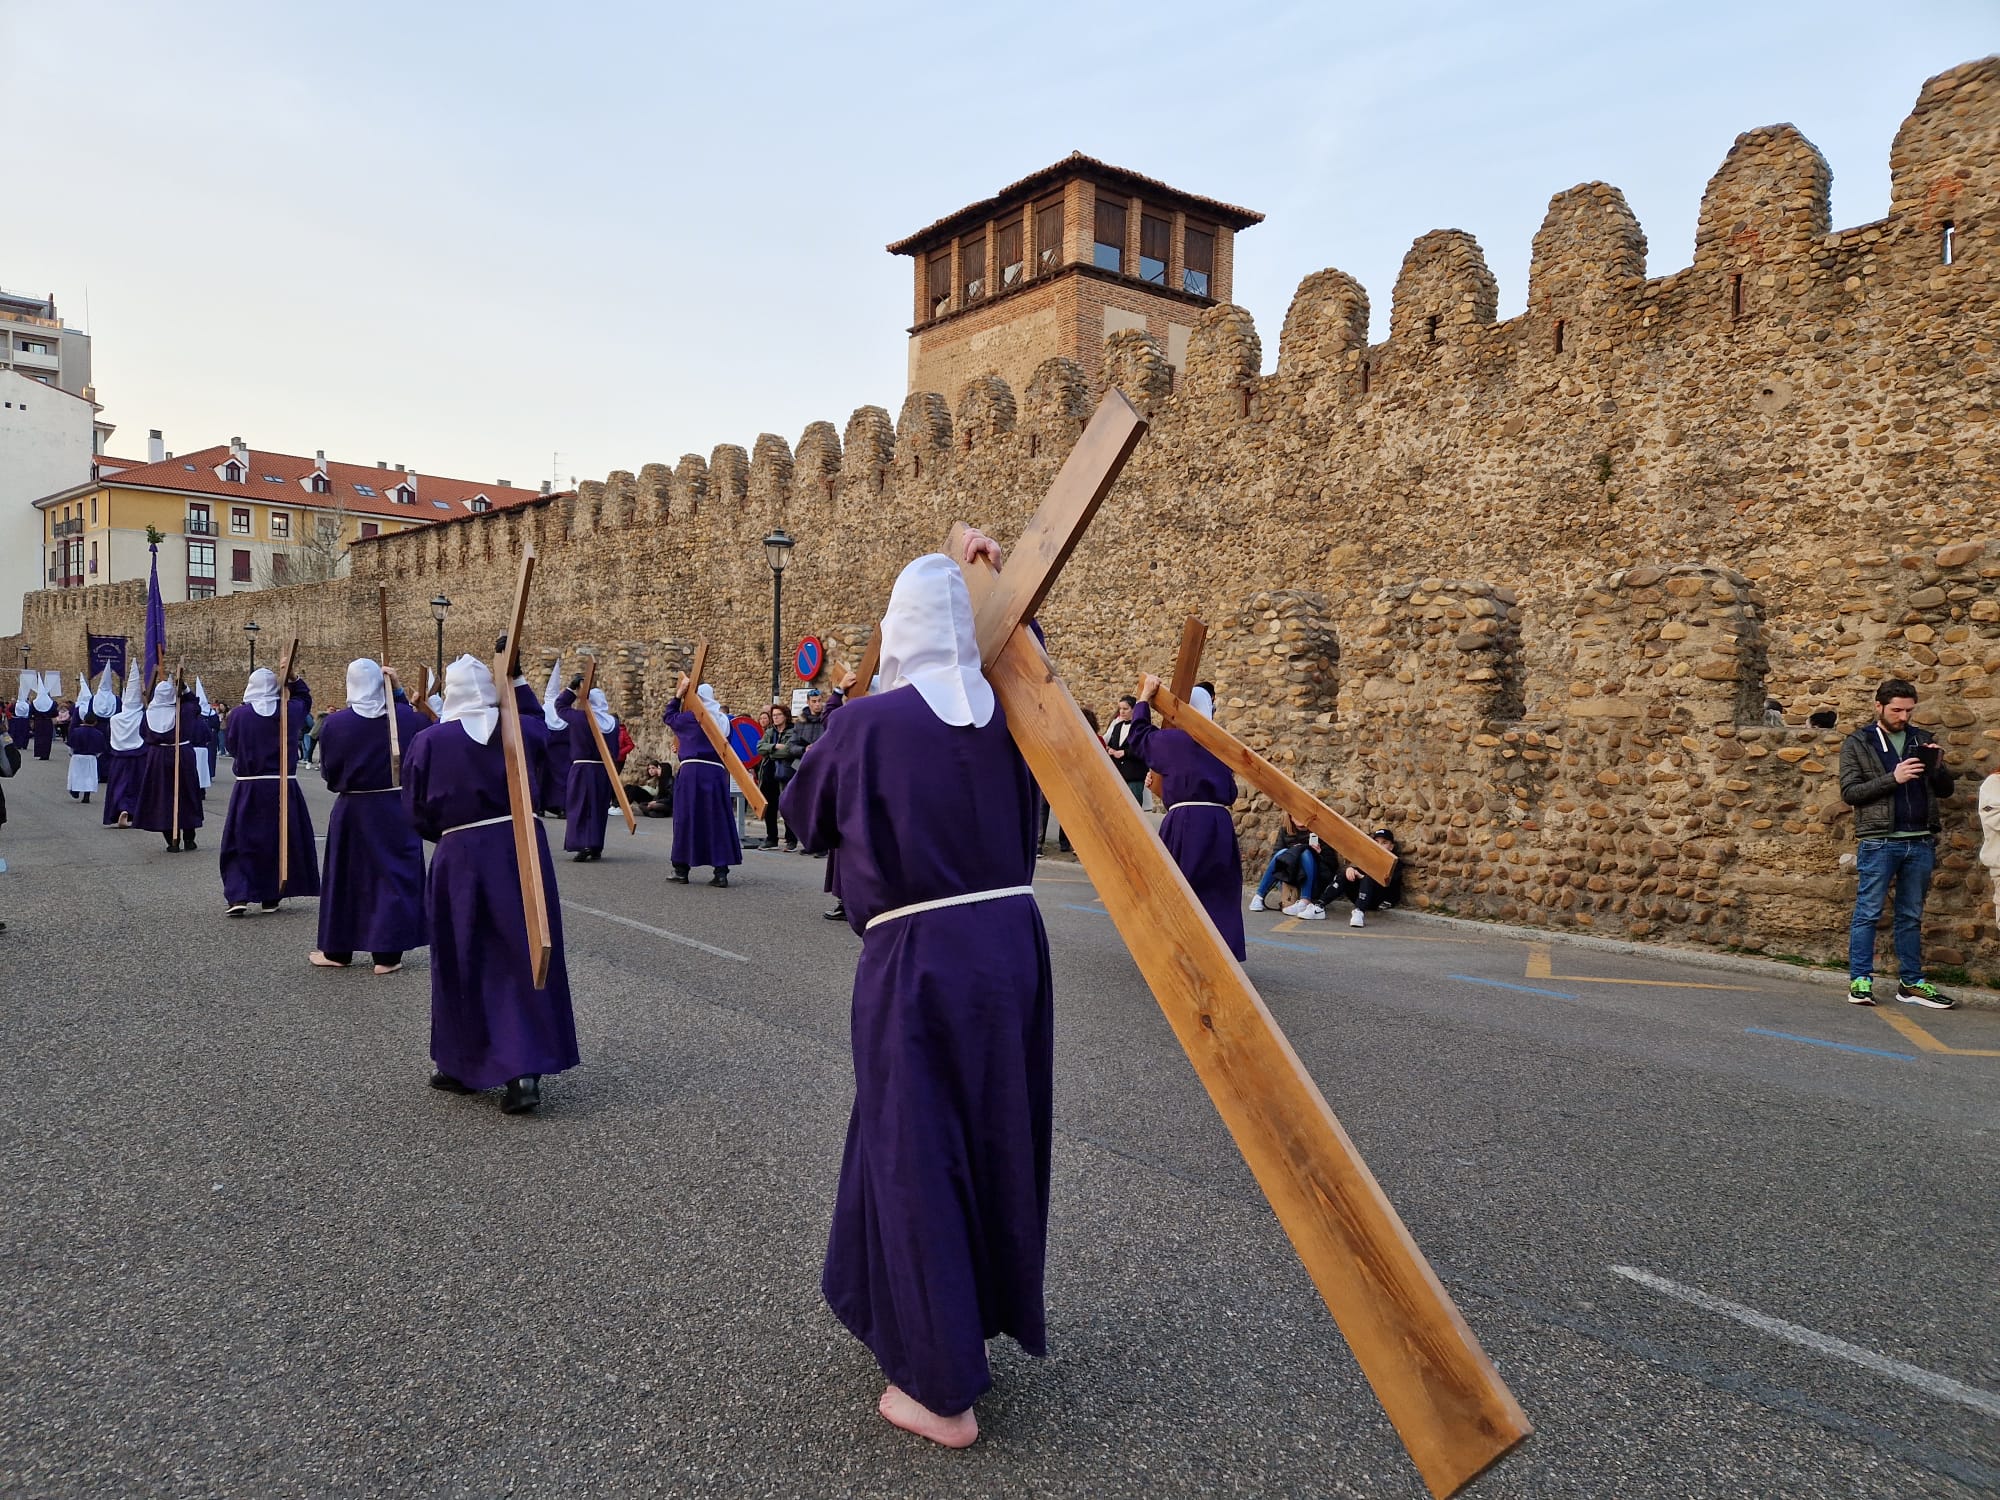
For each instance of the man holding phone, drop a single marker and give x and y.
(1893, 775)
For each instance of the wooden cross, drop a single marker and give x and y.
(1355, 846)
(520, 792)
(1452, 1411)
(604, 750)
(731, 761)
(285, 765)
(871, 661)
(176, 835)
(389, 678)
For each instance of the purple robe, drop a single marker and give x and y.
(18, 730)
(555, 779)
(372, 898)
(250, 836)
(587, 800)
(42, 729)
(202, 737)
(87, 737)
(155, 810)
(1202, 840)
(704, 827)
(123, 771)
(489, 1024)
(941, 1223)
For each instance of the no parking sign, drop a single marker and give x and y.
(809, 658)
(744, 738)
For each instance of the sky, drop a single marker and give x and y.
(532, 241)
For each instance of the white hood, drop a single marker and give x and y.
(470, 698)
(367, 688)
(549, 695)
(201, 698)
(43, 702)
(927, 642)
(135, 692)
(600, 710)
(710, 707)
(261, 692)
(1201, 703)
(164, 711)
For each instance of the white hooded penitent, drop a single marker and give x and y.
(928, 642)
(470, 698)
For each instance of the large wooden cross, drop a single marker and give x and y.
(176, 680)
(1451, 1409)
(520, 790)
(604, 750)
(718, 741)
(285, 765)
(389, 687)
(1187, 662)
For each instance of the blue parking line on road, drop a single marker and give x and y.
(1095, 911)
(1522, 988)
(1823, 1042)
(1274, 943)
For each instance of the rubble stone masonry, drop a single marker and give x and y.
(1517, 589)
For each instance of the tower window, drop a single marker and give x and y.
(1155, 235)
(1108, 253)
(1007, 254)
(1431, 328)
(1197, 260)
(1049, 236)
(972, 266)
(1559, 335)
(938, 270)
(1736, 295)
(1946, 248)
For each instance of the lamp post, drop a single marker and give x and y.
(777, 552)
(440, 607)
(250, 629)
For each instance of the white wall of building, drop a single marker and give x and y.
(46, 442)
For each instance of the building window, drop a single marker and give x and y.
(1155, 235)
(404, 495)
(1197, 260)
(1049, 236)
(939, 272)
(1108, 251)
(199, 523)
(365, 489)
(329, 528)
(1007, 254)
(281, 569)
(369, 528)
(93, 557)
(321, 485)
(239, 564)
(281, 523)
(481, 503)
(239, 520)
(93, 510)
(201, 570)
(972, 265)
(233, 473)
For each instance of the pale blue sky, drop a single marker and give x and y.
(467, 236)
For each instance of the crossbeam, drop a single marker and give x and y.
(604, 750)
(389, 678)
(718, 741)
(1452, 1411)
(520, 791)
(285, 669)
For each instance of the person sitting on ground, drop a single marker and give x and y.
(652, 797)
(1296, 863)
(1367, 894)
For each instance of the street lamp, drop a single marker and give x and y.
(440, 607)
(250, 629)
(777, 552)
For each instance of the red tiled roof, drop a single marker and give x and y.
(1074, 165)
(198, 474)
(106, 461)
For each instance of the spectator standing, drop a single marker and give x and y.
(1131, 770)
(777, 759)
(1893, 775)
(803, 735)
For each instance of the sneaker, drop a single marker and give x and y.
(1357, 920)
(1313, 912)
(1861, 991)
(1297, 908)
(1926, 994)
(1257, 903)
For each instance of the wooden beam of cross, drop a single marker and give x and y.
(1187, 662)
(1452, 1411)
(285, 764)
(718, 741)
(604, 750)
(176, 680)
(389, 678)
(871, 662)
(1350, 842)
(520, 792)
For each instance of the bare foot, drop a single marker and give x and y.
(320, 961)
(904, 1411)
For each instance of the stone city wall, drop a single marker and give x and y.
(1518, 589)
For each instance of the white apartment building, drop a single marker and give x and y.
(48, 440)
(34, 342)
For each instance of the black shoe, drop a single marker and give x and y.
(187, 842)
(596, 855)
(679, 877)
(523, 1094)
(721, 877)
(768, 844)
(270, 906)
(446, 1084)
(838, 914)
(582, 856)
(173, 846)
(239, 908)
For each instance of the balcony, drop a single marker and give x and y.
(199, 526)
(68, 528)
(34, 359)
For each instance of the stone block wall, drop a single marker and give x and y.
(1518, 589)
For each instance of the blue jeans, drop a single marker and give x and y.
(1877, 862)
(1271, 874)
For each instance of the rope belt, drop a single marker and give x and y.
(482, 823)
(593, 761)
(1176, 807)
(970, 898)
(692, 762)
(274, 776)
(369, 791)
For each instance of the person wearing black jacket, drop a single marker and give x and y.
(1893, 775)
(777, 758)
(1131, 770)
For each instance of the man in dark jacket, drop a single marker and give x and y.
(1893, 775)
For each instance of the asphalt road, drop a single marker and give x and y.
(249, 1253)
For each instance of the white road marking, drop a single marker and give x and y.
(672, 937)
(1924, 1380)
